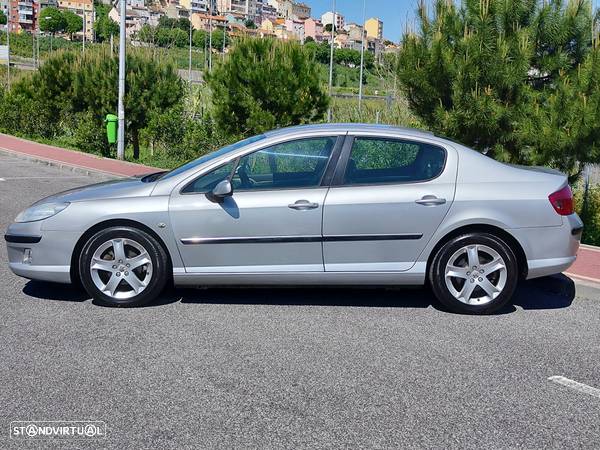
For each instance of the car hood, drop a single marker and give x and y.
(127, 187)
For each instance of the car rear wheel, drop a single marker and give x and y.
(123, 266)
(475, 273)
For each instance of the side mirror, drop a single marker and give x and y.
(222, 190)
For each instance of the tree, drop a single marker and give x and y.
(517, 79)
(72, 85)
(250, 24)
(264, 84)
(3, 19)
(217, 39)
(104, 26)
(52, 20)
(328, 27)
(74, 23)
(308, 39)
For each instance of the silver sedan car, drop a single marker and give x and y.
(341, 204)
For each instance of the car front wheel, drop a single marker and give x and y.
(123, 266)
(475, 273)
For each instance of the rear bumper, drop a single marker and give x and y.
(550, 250)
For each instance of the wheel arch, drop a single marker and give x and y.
(74, 271)
(508, 238)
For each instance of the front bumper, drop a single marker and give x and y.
(550, 250)
(40, 255)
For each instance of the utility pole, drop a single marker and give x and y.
(210, 38)
(83, 40)
(8, 55)
(121, 107)
(362, 60)
(190, 57)
(329, 112)
(224, 40)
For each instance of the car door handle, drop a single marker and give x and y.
(302, 205)
(430, 200)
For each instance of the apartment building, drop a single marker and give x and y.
(199, 6)
(329, 18)
(291, 9)
(85, 10)
(268, 12)
(374, 28)
(23, 15)
(252, 9)
(314, 29)
(207, 22)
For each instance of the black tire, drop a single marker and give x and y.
(158, 257)
(437, 271)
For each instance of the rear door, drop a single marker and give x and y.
(388, 197)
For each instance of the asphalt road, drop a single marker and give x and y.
(292, 368)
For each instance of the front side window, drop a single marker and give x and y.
(381, 161)
(290, 165)
(208, 181)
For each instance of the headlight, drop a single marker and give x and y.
(41, 211)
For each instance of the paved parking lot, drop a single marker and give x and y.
(293, 368)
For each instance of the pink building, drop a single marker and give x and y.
(314, 29)
(296, 28)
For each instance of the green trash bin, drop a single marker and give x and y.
(112, 125)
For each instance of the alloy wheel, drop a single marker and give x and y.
(121, 268)
(476, 274)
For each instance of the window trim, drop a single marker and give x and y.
(340, 172)
(329, 168)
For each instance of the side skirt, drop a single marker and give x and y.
(414, 276)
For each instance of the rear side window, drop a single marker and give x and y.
(381, 161)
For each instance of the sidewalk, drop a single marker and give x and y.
(587, 265)
(71, 158)
(586, 268)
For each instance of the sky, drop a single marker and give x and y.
(394, 13)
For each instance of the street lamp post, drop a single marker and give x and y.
(121, 106)
(362, 60)
(329, 112)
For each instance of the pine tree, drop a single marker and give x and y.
(517, 79)
(265, 84)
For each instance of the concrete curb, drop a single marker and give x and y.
(586, 289)
(60, 164)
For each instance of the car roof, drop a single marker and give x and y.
(348, 127)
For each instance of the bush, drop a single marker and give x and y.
(589, 213)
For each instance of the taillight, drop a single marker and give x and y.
(562, 201)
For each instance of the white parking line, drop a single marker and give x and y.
(575, 385)
(2, 179)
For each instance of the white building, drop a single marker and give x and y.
(329, 17)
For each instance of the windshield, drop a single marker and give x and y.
(211, 156)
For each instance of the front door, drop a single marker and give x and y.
(388, 198)
(271, 223)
